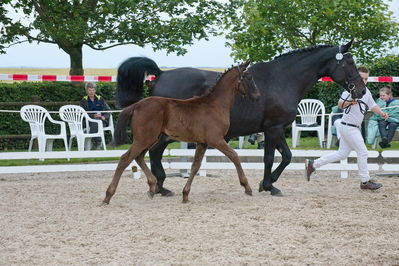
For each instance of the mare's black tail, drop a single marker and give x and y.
(120, 135)
(130, 79)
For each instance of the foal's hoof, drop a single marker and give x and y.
(249, 192)
(184, 200)
(150, 194)
(104, 204)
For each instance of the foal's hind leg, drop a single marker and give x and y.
(199, 154)
(151, 179)
(124, 161)
(232, 155)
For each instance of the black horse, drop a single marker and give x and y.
(282, 83)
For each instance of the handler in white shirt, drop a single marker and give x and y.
(351, 137)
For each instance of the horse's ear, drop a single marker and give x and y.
(346, 47)
(246, 63)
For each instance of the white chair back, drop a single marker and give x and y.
(309, 110)
(36, 116)
(73, 115)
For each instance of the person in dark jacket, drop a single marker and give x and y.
(94, 104)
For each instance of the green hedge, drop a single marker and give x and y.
(46, 94)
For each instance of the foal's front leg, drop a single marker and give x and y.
(199, 154)
(124, 161)
(232, 155)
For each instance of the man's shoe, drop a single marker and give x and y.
(370, 185)
(309, 169)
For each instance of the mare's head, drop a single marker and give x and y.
(246, 84)
(343, 71)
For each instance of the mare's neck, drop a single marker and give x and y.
(304, 70)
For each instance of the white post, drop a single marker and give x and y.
(184, 172)
(344, 174)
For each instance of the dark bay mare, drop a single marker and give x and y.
(282, 83)
(204, 120)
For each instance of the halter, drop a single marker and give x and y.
(350, 85)
(349, 82)
(241, 78)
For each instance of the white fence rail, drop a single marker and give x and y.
(342, 166)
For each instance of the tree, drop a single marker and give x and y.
(266, 28)
(103, 24)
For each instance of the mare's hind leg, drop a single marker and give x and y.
(232, 155)
(151, 179)
(124, 161)
(273, 137)
(156, 153)
(199, 154)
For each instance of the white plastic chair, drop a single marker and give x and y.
(110, 126)
(309, 110)
(76, 116)
(36, 116)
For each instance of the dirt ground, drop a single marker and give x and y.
(57, 219)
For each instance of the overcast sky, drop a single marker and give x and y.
(212, 53)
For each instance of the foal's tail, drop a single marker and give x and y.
(120, 135)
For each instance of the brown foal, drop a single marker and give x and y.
(204, 120)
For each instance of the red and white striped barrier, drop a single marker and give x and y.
(28, 77)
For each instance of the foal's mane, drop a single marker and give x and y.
(306, 49)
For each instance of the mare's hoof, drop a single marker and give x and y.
(273, 190)
(261, 186)
(184, 201)
(276, 192)
(165, 192)
(150, 194)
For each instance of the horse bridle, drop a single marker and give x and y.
(350, 85)
(349, 82)
(242, 79)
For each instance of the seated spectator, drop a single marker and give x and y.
(378, 126)
(94, 104)
(259, 138)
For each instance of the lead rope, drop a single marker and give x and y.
(363, 111)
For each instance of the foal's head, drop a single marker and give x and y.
(246, 84)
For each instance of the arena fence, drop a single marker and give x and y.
(185, 164)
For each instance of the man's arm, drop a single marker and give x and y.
(376, 109)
